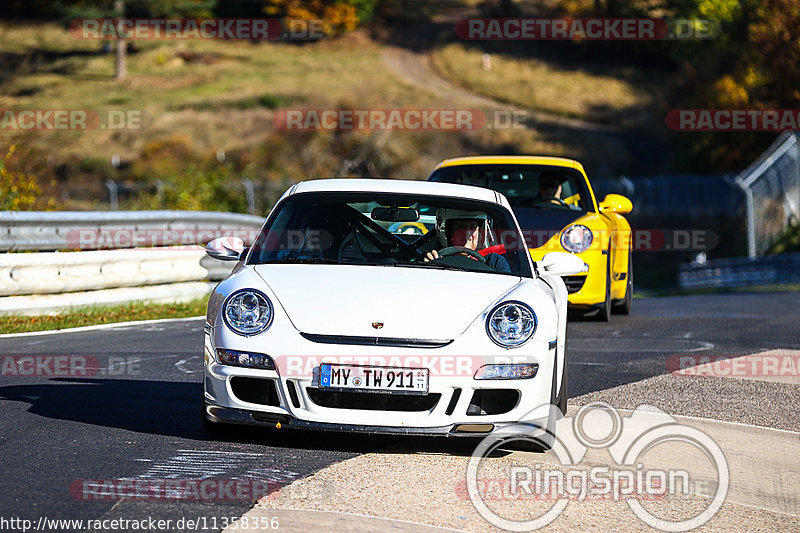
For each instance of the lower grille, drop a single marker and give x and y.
(574, 283)
(293, 394)
(370, 401)
(492, 402)
(255, 390)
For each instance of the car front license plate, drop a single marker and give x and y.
(373, 378)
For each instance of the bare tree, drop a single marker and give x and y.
(121, 68)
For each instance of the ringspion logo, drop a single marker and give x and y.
(629, 477)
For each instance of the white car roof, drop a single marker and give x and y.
(400, 186)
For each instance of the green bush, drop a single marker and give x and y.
(18, 191)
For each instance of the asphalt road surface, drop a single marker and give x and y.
(135, 416)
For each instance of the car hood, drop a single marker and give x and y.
(554, 220)
(416, 303)
(539, 226)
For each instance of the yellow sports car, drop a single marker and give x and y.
(557, 210)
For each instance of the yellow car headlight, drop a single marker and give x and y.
(577, 238)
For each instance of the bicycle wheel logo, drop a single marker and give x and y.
(646, 436)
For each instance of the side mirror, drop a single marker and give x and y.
(225, 248)
(616, 203)
(562, 264)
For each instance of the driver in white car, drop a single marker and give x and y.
(466, 229)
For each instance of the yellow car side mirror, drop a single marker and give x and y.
(616, 203)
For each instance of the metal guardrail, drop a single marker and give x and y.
(741, 272)
(122, 256)
(92, 230)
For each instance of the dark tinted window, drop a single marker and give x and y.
(359, 228)
(538, 186)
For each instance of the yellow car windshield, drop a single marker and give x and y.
(535, 186)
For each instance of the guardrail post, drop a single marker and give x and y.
(250, 195)
(113, 194)
(751, 223)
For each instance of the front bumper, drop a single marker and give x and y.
(225, 415)
(291, 395)
(585, 290)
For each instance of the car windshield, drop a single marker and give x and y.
(536, 186)
(389, 230)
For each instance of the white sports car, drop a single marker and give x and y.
(388, 306)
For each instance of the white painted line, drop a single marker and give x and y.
(760, 508)
(703, 419)
(181, 365)
(667, 344)
(98, 327)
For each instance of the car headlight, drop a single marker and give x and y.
(577, 238)
(515, 371)
(247, 312)
(511, 324)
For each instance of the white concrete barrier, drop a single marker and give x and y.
(125, 256)
(60, 272)
(51, 304)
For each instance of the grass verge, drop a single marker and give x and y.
(219, 98)
(90, 316)
(605, 97)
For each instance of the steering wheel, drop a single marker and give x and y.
(546, 199)
(453, 250)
